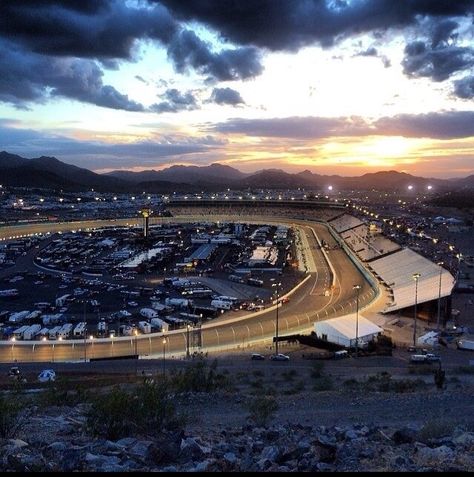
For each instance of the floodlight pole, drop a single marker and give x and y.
(416, 276)
(357, 287)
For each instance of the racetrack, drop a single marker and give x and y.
(308, 302)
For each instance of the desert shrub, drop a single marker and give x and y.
(436, 429)
(295, 388)
(406, 385)
(199, 377)
(147, 409)
(262, 409)
(10, 417)
(63, 393)
(257, 384)
(317, 369)
(464, 370)
(109, 415)
(351, 383)
(155, 408)
(290, 374)
(324, 383)
(420, 370)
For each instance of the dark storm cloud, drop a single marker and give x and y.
(108, 31)
(371, 51)
(443, 125)
(187, 50)
(443, 32)
(71, 29)
(438, 55)
(28, 77)
(464, 88)
(289, 25)
(436, 63)
(226, 96)
(175, 101)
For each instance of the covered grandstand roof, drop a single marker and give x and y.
(396, 271)
(366, 244)
(345, 222)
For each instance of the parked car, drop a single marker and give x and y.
(47, 375)
(257, 357)
(341, 354)
(279, 357)
(14, 372)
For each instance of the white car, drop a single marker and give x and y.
(46, 376)
(279, 357)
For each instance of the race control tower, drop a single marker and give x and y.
(145, 213)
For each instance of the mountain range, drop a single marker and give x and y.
(51, 173)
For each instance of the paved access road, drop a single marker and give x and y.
(327, 291)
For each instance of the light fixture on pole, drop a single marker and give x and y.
(188, 327)
(357, 287)
(91, 337)
(164, 355)
(277, 285)
(440, 264)
(13, 348)
(416, 277)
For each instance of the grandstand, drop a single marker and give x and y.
(234, 210)
(366, 244)
(345, 222)
(396, 271)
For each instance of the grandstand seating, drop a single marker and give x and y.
(344, 222)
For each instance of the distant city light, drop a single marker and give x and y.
(429, 187)
(410, 187)
(330, 187)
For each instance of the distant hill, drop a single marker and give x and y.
(215, 173)
(465, 183)
(51, 173)
(275, 179)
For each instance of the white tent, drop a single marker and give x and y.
(342, 330)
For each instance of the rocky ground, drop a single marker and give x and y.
(297, 438)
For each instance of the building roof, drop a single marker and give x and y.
(346, 326)
(203, 252)
(345, 222)
(397, 271)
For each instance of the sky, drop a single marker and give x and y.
(331, 86)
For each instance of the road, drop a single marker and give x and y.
(326, 292)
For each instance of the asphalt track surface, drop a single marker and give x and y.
(308, 304)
